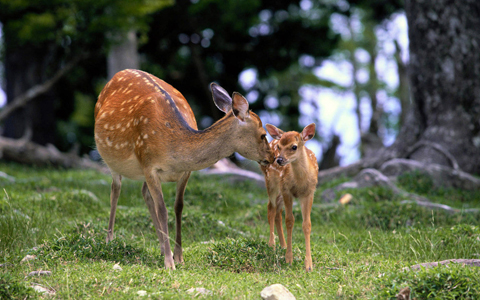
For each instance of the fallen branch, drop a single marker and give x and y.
(24, 151)
(225, 167)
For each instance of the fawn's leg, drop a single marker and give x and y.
(114, 194)
(289, 221)
(271, 222)
(155, 188)
(306, 206)
(273, 194)
(181, 184)
(278, 222)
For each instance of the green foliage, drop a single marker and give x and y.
(11, 288)
(443, 282)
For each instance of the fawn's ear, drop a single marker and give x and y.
(308, 132)
(240, 106)
(221, 98)
(275, 132)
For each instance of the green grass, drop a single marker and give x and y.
(358, 250)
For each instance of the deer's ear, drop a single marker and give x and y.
(240, 106)
(308, 132)
(221, 98)
(275, 132)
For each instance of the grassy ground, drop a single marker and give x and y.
(358, 250)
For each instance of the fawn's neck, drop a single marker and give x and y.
(301, 164)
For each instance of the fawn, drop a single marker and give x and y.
(294, 175)
(145, 130)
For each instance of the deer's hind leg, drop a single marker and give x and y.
(114, 194)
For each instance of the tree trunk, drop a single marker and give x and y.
(442, 125)
(445, 83)
(123, 56)
(25, 68)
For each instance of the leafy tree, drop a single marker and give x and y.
(40, 37)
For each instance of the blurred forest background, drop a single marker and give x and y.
(343, 64)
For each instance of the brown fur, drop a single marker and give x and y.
(145, 130)
(295, 178)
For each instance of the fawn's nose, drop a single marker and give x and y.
(280, 160)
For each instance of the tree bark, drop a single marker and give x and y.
(445, 82)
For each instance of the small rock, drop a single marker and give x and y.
(39, 273)
(345, 199)
(117, 267)
(27, 258)
(142, 293)
(42, 290)
(276, 292)
(199, 291)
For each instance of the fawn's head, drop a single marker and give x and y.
(249, 136)
(291, 143)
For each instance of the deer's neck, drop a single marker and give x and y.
(203, 148)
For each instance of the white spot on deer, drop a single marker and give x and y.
(123, 129)
(112, 127)
(109, 142)
(145, 121)
(153, 132)
(141, 118)
(118, 125)
(112, 93)
(136, 97)
(117, 146)
(145, 136)
(105, 126)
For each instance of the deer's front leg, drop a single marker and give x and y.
(114, 194)
(289, 221)
(181, 184)
(306, 206)
(155, 189)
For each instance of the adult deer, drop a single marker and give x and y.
(294, 175)
(145, 130)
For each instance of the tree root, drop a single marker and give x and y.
(464, 262)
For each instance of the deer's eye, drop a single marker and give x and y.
(263, 136)
(294, 147)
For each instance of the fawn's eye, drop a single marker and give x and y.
(294, 147)
(263, 136)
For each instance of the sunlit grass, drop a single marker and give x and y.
(358, 250)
